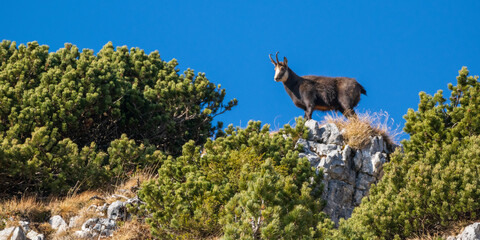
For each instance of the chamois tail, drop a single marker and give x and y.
(362, 90)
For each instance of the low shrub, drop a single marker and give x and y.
(244, 175)
(65, 115)
(434, 182)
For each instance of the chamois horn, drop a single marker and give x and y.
(271, 59)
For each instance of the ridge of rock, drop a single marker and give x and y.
(348, 172)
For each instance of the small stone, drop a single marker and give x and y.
(108, 223)
(5, 233)
(89, 224)
(25, 225)
(74, 222)
(97, 227)
(134, 201)
(103, 208)
(32, 235)
(83, 234)
(471, 232)
(18, 234)
(57, 222)
(106, 233)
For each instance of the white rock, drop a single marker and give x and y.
(108, 223)
(89, 224)
(6, 233)
(74, 222)
(18, 234)
(57, 222)
(83, 234)
(32, 235)
(103, 208)
(25, 225)
(116, 210)
(471, 232)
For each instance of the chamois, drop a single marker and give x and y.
(318, 92)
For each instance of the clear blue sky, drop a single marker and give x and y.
(395, 49)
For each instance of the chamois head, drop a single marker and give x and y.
(281, 69)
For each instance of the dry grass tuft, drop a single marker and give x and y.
(46, 229)
(71, 205)
(24, 208)
(130, 187)
(38, 211)
(453, 229)
(133, 229)
(359, 130)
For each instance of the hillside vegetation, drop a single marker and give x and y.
(71, 118)
(73, 121)
(434, 181)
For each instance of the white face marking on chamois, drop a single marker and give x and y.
(281, 74)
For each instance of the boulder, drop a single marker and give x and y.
(6, 233)
(116, 210)
(12, 233)
(471, 232)
(348, 172)
(25, 225)
(58, 223)
(32, 235)
(18, 234)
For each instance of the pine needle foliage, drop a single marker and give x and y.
(64, 113)
(246, 175)
(434, 182)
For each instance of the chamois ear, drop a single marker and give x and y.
(271, 59)
(285, 61)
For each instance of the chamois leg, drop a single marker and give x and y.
(346, 108)
(309, 112)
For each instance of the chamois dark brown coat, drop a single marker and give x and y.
(318, 92)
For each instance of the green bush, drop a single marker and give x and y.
(53, 104)
(246, 173)
(435, 180)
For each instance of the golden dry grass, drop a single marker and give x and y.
(132, 230)
(71, 205)
(453, 229)
(38, 212)
(24, 208)
(358, 131)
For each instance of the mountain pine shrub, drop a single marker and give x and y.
(434, 181)
(247, 184)
(65, 115)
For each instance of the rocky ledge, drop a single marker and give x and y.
(348, 172)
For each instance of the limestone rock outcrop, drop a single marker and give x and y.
(348, 172)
